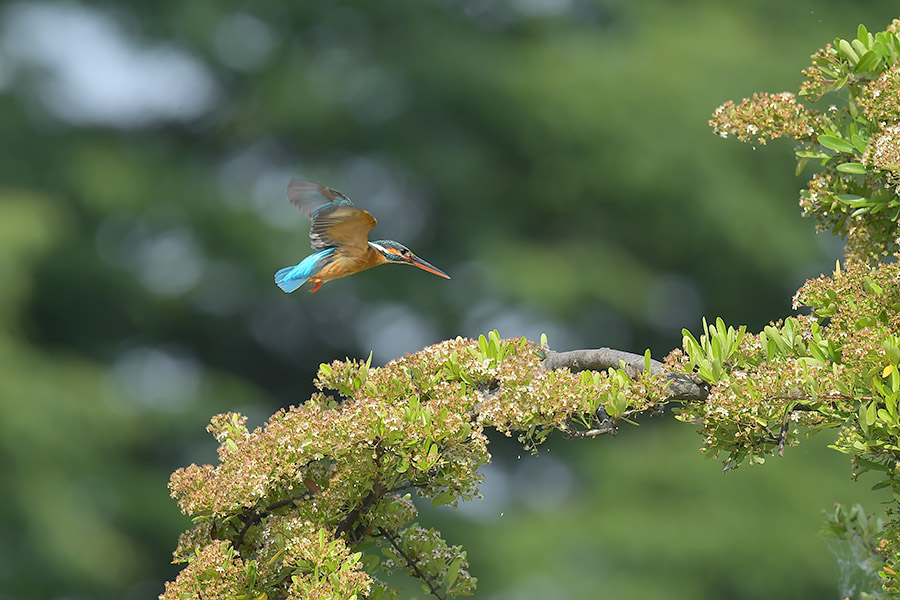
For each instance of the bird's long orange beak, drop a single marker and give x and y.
(426, 266)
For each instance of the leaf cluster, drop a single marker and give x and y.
(319, 499)
(838, 367)
(854, 141)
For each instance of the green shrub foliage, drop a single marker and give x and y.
(317, 502)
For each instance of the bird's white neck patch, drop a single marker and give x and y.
(378, 247)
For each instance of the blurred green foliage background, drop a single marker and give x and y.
(553, 156)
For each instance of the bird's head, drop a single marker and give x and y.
(396, 252)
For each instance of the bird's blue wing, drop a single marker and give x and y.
(291, 278)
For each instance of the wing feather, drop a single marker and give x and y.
(338, 225)
(335, 221)
(309, 197)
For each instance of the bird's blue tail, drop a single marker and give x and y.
(290, 278)
(284, 280)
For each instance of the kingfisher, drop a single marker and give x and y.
(340, 237)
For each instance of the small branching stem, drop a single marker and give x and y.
(596, 431)
(392, 539)
(253, 517)
(786, 423)
(346, 524)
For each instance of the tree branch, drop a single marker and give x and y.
(346, 524)
(681, 387)
(604, 429)
(409, 561)
(253, 517)
(786, 423)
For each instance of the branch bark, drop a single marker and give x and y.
(681, 387)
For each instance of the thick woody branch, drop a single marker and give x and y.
(681, 387)
(347, 524)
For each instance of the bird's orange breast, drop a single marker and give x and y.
(347, 261)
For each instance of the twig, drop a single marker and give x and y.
(378, 490)
(253, 517)
(406, 485)
(602, 430)
(820, 397)
(782, 436)
(409, 561)
(604, 426)
(786, 423)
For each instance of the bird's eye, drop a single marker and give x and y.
(404, 252)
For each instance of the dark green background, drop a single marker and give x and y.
(553, 156)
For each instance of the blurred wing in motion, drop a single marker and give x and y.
(335, 221)
(309, 197)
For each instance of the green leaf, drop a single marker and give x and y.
(853, 200)
(811, 154)
(862, 34)
(871, 287)
(706, 374)
(443, 498)
(837, 144)
(855, 168)
(870, 414)
(861, 417)
(859, 142)
(847, 50)
(867, 62)
(871, 465)
(866, 321)
(817, 353)
(453, 571)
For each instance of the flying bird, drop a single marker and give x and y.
(340, 237)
